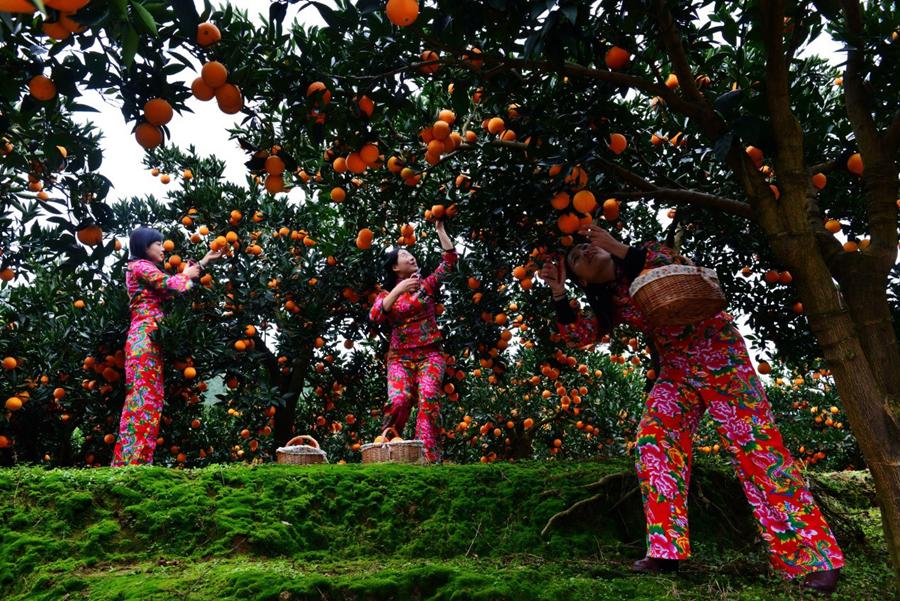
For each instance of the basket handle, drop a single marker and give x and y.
(295, 439)
(386, 430)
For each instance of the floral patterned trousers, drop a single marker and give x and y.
(415, 375)
(707, 369)
(139, 425)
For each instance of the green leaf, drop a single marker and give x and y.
(146, 17)
(129, 47)
(121, 7)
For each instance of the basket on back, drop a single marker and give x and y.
(294, 453)
(677, 295)
(394, 450)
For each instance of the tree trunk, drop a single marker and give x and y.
(286, 416)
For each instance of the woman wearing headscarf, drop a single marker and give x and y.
(148, 286)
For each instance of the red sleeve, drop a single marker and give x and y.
(377, 313)
(432, 282)
(149, 274)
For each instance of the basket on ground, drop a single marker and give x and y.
(678, 295)
(295, 453)
(393, 451)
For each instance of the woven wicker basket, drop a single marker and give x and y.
(294, 453)
(678, 295)
(401, 451)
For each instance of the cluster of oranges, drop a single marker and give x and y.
(157, 112)
(213, 83)
(364, 239)
(440, 212)
(64, 25)
(440, 139)
(576, 203)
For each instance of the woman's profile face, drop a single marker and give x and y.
(406, 263)
(590, 263)
(155, 252)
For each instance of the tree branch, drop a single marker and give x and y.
(692, 197)
(671, 38)
(892, 135)
(854, 90)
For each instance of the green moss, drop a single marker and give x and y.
(380, 532)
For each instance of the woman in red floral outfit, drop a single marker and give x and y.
(704, 368)
(147, 288)
(415, 362)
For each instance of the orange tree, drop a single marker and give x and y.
(557, 108)
(763, 155)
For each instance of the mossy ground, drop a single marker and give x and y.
(388, 532)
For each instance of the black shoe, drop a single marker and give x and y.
(822, 582)
(654, 565)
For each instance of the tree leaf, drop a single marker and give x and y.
(146, 17)
(129, 46)
(368, 6)
(728, 101)
(188, 19)
(723, 145)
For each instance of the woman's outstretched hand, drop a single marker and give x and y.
(599, 237)
(212, 256)
(554, 275)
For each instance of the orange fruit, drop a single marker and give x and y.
(561, 201)
(402, 12)
(775, 191)
(364, 239)
(338, 194)
(190, 373)
(319, 87)
(617, 143)
(369, 153)
(850, 246)
(66, 5)
(756, 154)
(201, 90)
(10, 363)
(13, 403)
(240, 345)
(438, 211)
(833, 226)
(90, 235)
(611, 209)
(55, 30)
(672, 81)
(447, 116)
(855, 164)
(148, 135)
(366, 106)
(214, 74)
(616, 57)
(229, 98)
(208, 34)
(355, 163)
(473, 57)
(568, 223)
(158, 111)
(42, 88)
(165, 179)
(764, 367)
(18, 6)
(430, 56)
(656, 140)
(577, 178)
(495, 125)
(819, 181)
(274, 165)
(274, 184)
(584, 202)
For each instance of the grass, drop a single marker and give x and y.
(389, 532)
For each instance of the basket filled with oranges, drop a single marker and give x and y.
(677, 295)
(301, 450)
(393, 449)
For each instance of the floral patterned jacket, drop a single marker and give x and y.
(412, 316)
(148, 287)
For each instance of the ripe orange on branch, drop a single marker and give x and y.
(214, 74)
(148, 135)
(208, 34)
(42, 88)
(402, 12)
(616, 58)
(158, 111)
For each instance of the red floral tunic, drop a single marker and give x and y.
(412, 316)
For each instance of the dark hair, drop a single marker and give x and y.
(389, 261)
(140, 240)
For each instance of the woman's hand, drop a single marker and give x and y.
(211, 256)
(554, 275)
(446, 243)
(410, 284)
(192, 271)
(601, 238)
